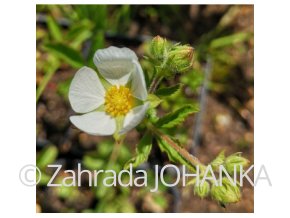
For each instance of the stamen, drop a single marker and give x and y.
(118, 101)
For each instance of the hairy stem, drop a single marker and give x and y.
(154, 84)
(183, 152)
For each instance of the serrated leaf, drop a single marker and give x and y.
(177, 117)
(142, 151)
(68, 54)
(168, 91)
(154, 100)
(174, 153)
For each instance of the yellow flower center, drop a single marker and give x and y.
(118, 101)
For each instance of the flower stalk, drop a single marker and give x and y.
(153, 86)
(115, 152)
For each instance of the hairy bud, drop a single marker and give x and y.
(235, 161)
(158, 48)
(202, 189)
(219, 160)
(226, 193)
(180, 58)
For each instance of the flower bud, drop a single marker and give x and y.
(201, 189)
(226, 193)
(219, 160)
(235, 161)
(158, 48)
(180, 58)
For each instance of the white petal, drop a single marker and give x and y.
(138, 82)
(116, 73)
(86, 91)
(114, 53)
(134, 117)
(95, 123)
(115, 64)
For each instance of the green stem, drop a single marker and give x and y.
(115, 152)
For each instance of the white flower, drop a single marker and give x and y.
(103, 106)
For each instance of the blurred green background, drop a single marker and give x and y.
(67, 37)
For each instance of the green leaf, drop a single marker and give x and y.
(50, 68)
(63, 88)
(168, 91)
(83, 36)
(65, 192)
(154, 100)
(92, 163)
(152, 115)
(54, 29)
(68, 54)
(78, 34)
(230, 40)
(177, 117)
(46, 157)
(142, 151)
(193, 79)
(98, 41)
(43, 178)
(173, 154)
